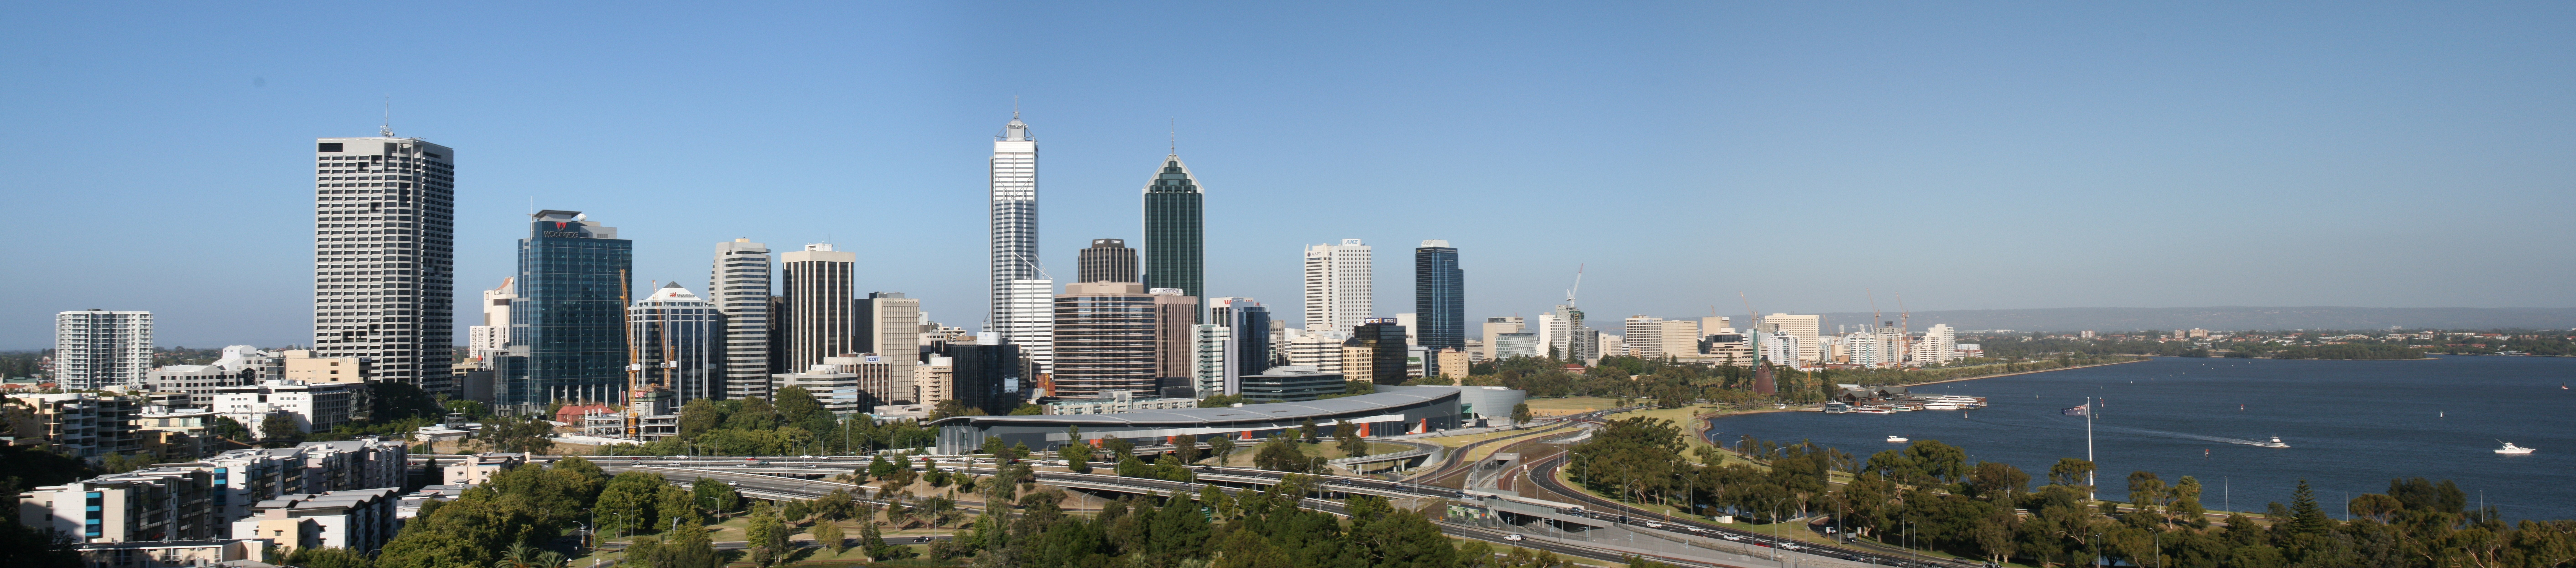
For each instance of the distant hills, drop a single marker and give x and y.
(2232, 318)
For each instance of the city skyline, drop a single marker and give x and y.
(2331, 169)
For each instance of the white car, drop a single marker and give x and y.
(1730, 536)
(1654, 525)
(1515, 537)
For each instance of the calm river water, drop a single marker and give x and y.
(2351, 425)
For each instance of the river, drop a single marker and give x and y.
(2351, 426)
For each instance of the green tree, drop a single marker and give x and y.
(229, 429)
(325, 557)
(473, 410)
(755, 414)
(1076, 452)
(279, 430)
(1308, 432)
(714, 495)
(767, 535)
(630, 504)
(1520, 413)
(828, 533)
(699, 417)
(1350, 442)
(1223, 447)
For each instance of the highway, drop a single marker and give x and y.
(785, 477)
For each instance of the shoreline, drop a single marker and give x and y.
(1700, 422)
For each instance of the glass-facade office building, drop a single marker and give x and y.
(1175, 235)
(570, 318)
(1439, 297)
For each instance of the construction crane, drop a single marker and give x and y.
(1578, 284)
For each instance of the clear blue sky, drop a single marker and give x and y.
(153, 156)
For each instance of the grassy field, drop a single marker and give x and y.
(1329, 449)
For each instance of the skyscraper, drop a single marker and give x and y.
(1252, 346)
(384, 256)
(1175, 232)
(1384, 340)
(1175, 360)
(1805, 327)
(569, 322)
(678, 343)
(1439, 296)
(890, 325)
(818, 290)
(1023, 308)
(96, 349)
(1337, 287)
(1106, 340)
(738, 289)
(1108, 260)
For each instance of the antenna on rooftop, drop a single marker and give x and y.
(388, 129)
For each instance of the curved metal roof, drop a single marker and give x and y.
(1380, 401)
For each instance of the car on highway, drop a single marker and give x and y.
(1515, 537)
(921, 539)
(676, 464)
(1654, 525)
(1730, 536)
(804, 457)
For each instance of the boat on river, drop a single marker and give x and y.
(2512, 450)
(1897, 439)
(2276, 443)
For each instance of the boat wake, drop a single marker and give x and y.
(2186, 436)
(2100, 427)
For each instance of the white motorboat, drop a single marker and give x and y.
(2512, 450)
(1897, 440)
(2276, 443)
(1941, 406)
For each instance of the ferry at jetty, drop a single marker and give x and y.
(1851, 403)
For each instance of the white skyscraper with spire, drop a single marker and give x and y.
(1023, 309)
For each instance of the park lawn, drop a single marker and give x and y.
(1329, 449)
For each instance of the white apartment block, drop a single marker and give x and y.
(1321, 351)
(1782, 349)
(80, 424)
(1805, 327)
(738, 288)
(1211, 368)
(360, 520)
(1939, 345)
(160, 503)
(494, 333)
(384, 212)
(1338, 292)
(240, 365)
(95, 349)
(314, 406)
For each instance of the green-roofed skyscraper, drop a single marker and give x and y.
(1175, 233)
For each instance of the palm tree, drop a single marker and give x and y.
(552, 559)
(519, 556)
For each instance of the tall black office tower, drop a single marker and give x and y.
(1108, 260)
(1175, 234)
(1439, 297)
